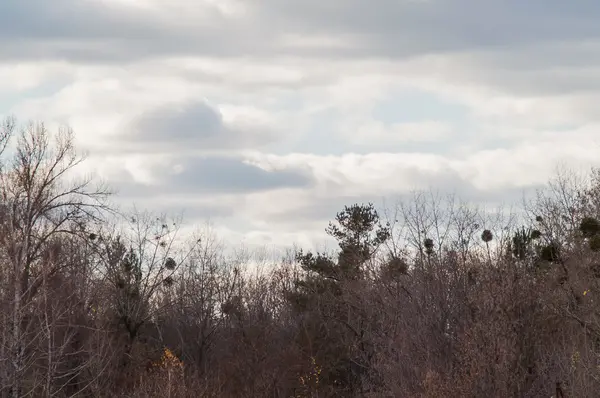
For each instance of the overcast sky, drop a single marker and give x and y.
(267, 116)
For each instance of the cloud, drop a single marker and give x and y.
(371, 133)
(91, 30)
(232, 175)
(172, 176)
(193, 125)
(403, 28)
(308, 211)
(95, 31)
(62, 29)
(273, 114)
(474, 173)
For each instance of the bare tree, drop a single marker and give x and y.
(39, 205)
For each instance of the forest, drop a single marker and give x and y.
(434, 297)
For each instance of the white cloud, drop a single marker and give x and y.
(373, 131)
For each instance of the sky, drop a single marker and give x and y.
(266, 117)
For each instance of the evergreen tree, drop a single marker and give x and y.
(339, 329)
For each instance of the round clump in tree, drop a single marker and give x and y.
(428, 243)
(535, 234)
(168, 281)
(396, 266)
(589, 227)
(539, 219)
(170, 264)
(550, 253)
(487, 236)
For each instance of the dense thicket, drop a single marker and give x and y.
(433, 298)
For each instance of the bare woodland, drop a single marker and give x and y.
(432, 297)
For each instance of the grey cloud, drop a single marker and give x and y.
(513, 46)
(440, 25)
(536, 47)
(214, 175)
(88, 31)
(191, 126)
(232, 175)
(64, 28)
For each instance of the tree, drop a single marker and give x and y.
(139, 259)
(523, 245)
(359, 234)
(40, 208)
(331, 293)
